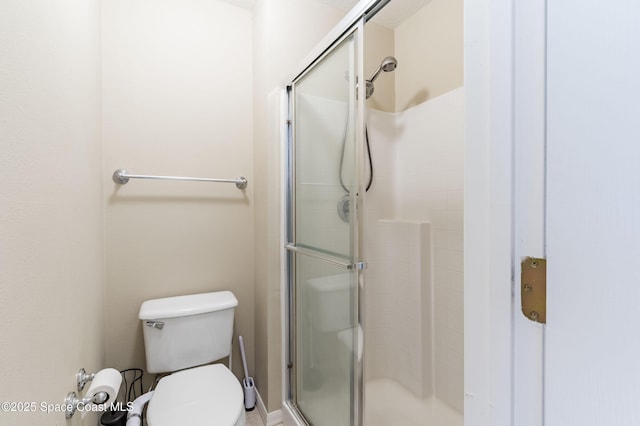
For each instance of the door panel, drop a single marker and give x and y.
(325, 170)
(592, 347)
(323, 240)
(325, 301)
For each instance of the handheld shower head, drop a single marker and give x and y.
(388, 64)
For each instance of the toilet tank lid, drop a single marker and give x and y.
(182, 306)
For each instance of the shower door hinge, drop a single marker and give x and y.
(533, 289)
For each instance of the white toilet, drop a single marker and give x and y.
(183, 333)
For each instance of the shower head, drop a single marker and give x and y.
(388, 64)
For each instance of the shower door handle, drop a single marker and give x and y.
(358, 266)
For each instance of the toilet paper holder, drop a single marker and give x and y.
(105, 386)
(72, 402)
(83, 377)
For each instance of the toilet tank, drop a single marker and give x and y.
(187, 331)
(329, 302)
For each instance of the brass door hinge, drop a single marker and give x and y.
(533, 289)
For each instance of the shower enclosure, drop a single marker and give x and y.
(324, 251)
(373, 312)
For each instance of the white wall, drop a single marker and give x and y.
(418, 158)
(430, 167)
(429, 49)
(51, 241)
(398, 323)
(178, 94)
(379, 42)
(418, 162)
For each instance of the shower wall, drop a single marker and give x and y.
(380, 43)
(414, 300)
(429, 49)
(414, 247)
(399, 303)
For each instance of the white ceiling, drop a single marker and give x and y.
(245, 4)
(391, 16)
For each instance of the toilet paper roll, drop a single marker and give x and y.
(107, 380)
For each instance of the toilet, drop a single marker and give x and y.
(183, 335)
(330, 299)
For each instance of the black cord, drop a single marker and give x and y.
(366, 137)
(126, 386)
(130, 387)
(344, 145)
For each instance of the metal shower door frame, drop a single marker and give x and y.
(356, 263)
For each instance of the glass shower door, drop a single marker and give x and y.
(323, 245)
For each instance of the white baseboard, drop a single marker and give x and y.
(269, 419)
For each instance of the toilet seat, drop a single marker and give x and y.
(209, 395)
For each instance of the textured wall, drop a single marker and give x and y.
(51, 240)
(177, 79)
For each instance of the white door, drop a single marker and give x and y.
(592, 336)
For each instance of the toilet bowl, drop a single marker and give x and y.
(183, 335)
(209, 395)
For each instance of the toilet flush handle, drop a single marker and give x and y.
(155, 324)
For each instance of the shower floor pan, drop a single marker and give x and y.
(388, 403)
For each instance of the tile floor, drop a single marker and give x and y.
(253, 419)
